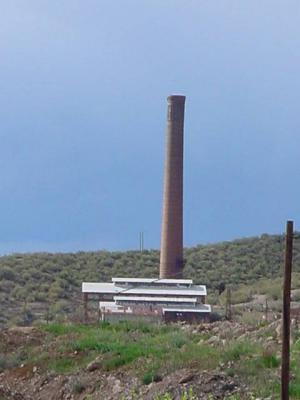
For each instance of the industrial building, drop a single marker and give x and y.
(151, 299)
(168, 298)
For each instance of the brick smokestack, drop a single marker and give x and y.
(171, 252)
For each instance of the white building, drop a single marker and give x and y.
(162, 299)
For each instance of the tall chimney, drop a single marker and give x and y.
(171, 252)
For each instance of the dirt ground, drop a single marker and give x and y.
(30, 382)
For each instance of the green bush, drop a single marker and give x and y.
(3, 363)
(151, 376)
(7, 273)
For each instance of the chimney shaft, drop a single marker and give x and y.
(171, 254)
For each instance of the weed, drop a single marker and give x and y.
(230, 372)
(151, 376)
(163, 348)
(237, 350)
(62, 365)
(3, 363)
(270, 361)
(9, 361)
(78, 387)
(294, 390)
(165, 396)
(186, 395)
(91, 343)
(178, 340)
(58, 329)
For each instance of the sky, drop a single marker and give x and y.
(83, 88)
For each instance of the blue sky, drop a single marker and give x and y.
(83, 107)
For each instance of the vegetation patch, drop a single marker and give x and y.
(62, 365)
(51, 283)
(151, 352)
(239, 350)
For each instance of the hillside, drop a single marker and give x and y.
(44, 285)
(140, 361)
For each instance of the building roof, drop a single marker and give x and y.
(100, 287)
(156, 299)
(111, 288)
(157, 281)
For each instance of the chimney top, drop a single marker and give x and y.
(176, 97)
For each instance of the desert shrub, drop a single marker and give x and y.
(3, 363)
(215, 317)
(296, 278)
(20, 293)
(78, 386)
(56, 291)
(275, 292)
(296, 296)
(242, 295)
(213, 298)
(59, 308)
(10, 360)
(252, 318)
(27, 316)
(7, 273)
(40, 296)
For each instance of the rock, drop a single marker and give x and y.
(157, 378)
(213, 340)
(94, 365)
(244, 336)
(229, 386)
(238, 331)
(117, 386)
(34, 369)
(186, 378)
(278, 331)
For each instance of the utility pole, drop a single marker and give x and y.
(85, 307)
(286, 317)
(228, 304)
(267, 310)
(141, 242)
